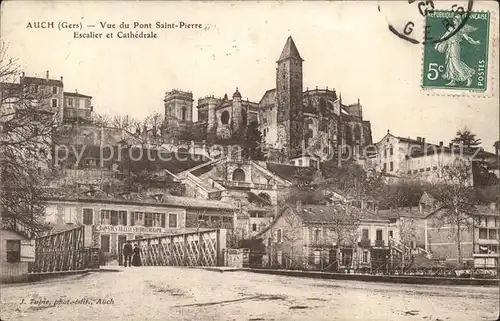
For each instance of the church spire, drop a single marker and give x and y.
(290, 51)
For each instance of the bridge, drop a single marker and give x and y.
(71, 250)
(200, 248)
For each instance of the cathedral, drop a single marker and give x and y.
(288, 117)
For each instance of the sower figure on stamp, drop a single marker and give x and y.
(127, 254)
(136, 258)
(456, 70)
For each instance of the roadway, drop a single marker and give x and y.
(169, 293)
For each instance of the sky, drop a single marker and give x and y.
(345, 45)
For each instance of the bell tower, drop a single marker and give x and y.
(289, 98)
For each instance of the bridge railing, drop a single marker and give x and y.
(199, 248)
(63, 251)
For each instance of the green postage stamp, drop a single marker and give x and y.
(457, 57)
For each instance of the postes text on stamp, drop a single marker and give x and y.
(458, 58)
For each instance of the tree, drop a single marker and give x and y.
(27, 125)
(124, 122)
(154, 122)
(466, 138)
(351, 178)
(344, 225)
(293, 233)
(405, 193)
(407, 233)
(457, 198)
(252, 146)
(101, 120)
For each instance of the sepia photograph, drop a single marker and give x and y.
(249, 160)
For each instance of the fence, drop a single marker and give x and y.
(382, 266)
(64, 251)
(202, 248)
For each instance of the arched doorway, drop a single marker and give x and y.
(239, 175)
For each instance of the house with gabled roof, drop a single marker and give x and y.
(327, 237)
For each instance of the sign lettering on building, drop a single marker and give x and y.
(129, 229)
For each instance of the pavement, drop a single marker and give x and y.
(172, 293)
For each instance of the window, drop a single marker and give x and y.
(365, 257)
(428, 169)
(493, 234)
(379, 235)
(122, 218)
(391, 150)
(300, 162)
(317, 235)
(54, 103)
(183, 113)
(483, 234)
(70, 102)
(279, 236)
(486, 222)
(172, 220)
(390, 235)
(132, 218)
(224, 117)
(254, 227)
(88, 214)
(148, 219)
(54, 90)
(104, 217)
(391, 166)
(384, 167)
(13, 251)
(114, 217)
(105, 243)
(163, 220)
(138, 237)
(317, 257)
(385, 152)
(365, 234)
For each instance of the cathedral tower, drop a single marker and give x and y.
(289, 98)
(178, 105)
(237, 113)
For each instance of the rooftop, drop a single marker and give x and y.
(158, 199)
(290, 51)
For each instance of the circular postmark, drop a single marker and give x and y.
(404, 17)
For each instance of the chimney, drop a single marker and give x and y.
(423, 140)
(47, 75)
(440, 144)
(450, 145)
(22, 74)
(419, 139)
(61, 78)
